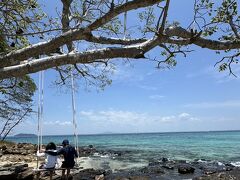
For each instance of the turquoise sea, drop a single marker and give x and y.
(142, 148)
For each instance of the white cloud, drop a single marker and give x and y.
(184, 115)
(187, 117)
(224, 104)
(168, 119)
(156, 97)
(150, 88)
(112, 116)
(133, 118)
(65, 123)
(117, 121)
(58, 123)
(86, 113)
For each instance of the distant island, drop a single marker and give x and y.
(25, 135)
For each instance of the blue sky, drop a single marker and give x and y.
(193, 96)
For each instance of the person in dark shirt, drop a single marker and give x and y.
(69, 153)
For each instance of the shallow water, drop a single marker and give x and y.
(139, 149)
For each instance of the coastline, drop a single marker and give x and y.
(93, 163)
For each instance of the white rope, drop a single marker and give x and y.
(40, 111)
(74, 111)
(42, 82)
(125, 24)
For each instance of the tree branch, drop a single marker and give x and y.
(86, 57)
(15, 57)
(204, 43)
(234, 29)
(135, 4)
(165, 13)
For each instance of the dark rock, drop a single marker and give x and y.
(229, 167)
(137, 178)
(20, 168)
(28, 147)
(211, 168)
(7, 165)
(181, 161)
(227, 175)
(4, 147)
(155, 163)
(6, 151)
(7, 175)
(88, 174)
(164, 159)
(145, 170)
(210, 171)
(26, 175)
(20, 145)
(90, 146)
(168, 166)
(87, 151)
(185, 169)
(152, 170)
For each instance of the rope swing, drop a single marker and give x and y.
(40, 112)
(125, 24)
(74, 111)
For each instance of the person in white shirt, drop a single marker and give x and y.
(50, 160)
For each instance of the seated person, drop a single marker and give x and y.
(69, 153)
(50, 160)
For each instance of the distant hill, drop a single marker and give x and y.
(108, 132)
(25, 135)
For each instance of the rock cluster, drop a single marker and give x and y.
(16, 172)
(20, 149)
(170, 169)
(21, 152)
(15, 160)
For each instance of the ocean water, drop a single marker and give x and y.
(140, 149)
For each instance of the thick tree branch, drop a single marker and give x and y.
(15, 57)
(66, 19)
(106, 40)
(135, 4)
(132, 51)
(35, 65)
(204, 43)
(50, 62)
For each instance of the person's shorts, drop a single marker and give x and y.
(67, 164)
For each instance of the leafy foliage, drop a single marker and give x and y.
(18, 22)
(15, 102)
(17, 19)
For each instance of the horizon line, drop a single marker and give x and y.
(119, 133)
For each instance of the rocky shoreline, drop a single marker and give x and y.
(17, 161)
